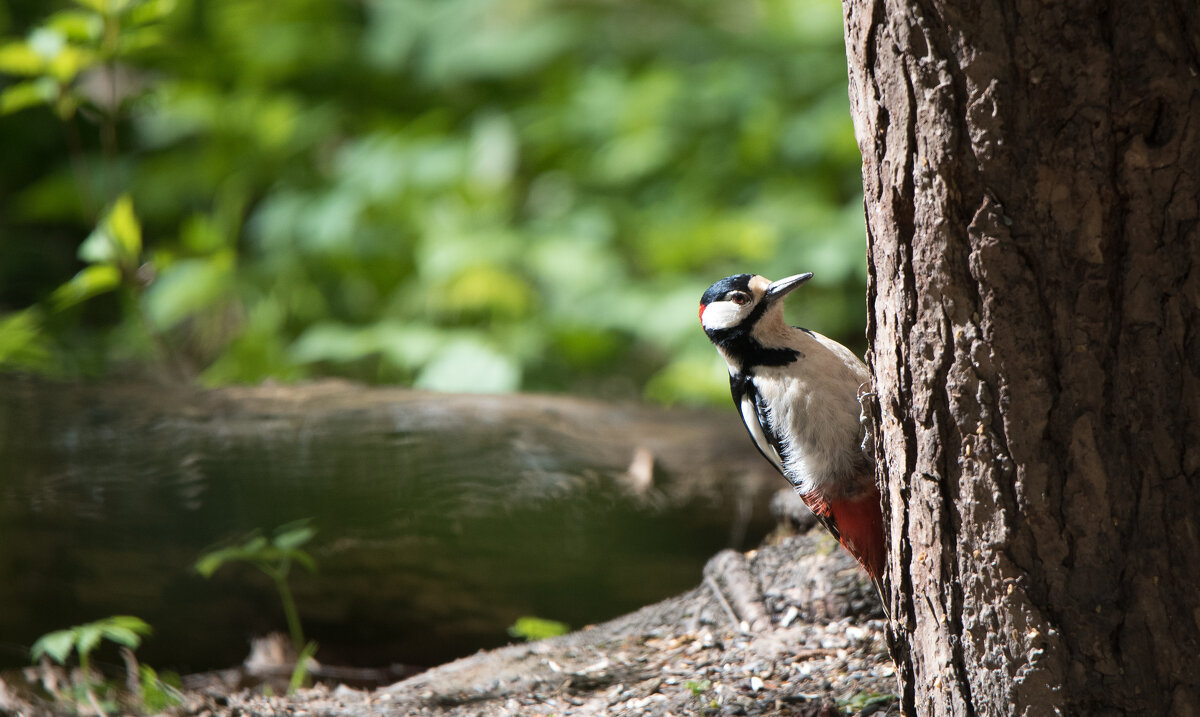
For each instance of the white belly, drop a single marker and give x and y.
(818, 418)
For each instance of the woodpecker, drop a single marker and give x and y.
(798, 394)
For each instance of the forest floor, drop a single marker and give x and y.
(790, 629)
(793, 628)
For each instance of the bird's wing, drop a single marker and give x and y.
(754, 416)
(824, 513)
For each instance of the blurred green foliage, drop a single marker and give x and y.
(86, 690)
(273, 558)
(474, 195)
(533, 628)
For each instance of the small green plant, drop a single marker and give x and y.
(83, 639)
(274, 558)
(300, 671)
(124, 630)
(698, 687)
(536, 628)
(158, 693)
(861, 701)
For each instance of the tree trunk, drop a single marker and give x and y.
(1032, 182)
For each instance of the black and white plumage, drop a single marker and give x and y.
(798, 395)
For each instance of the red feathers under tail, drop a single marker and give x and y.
(861, 525)
(858, 525)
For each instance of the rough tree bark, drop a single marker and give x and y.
(1032, 181)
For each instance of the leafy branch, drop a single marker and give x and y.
(86, 41)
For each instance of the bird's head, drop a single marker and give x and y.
(737, 303)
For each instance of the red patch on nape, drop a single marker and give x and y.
(702, 313)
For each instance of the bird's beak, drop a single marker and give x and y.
(781, 288)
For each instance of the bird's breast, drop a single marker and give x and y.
(816, 417)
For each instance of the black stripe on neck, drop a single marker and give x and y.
(738, 343)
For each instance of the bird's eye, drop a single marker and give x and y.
(739, 298)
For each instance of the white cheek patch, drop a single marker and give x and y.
(723, 314)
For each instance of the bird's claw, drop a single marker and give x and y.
(866, 420)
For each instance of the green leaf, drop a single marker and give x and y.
(100, 6)
(255, 549)
(408, 344)
(92, 281)
(256, 544)
(329, 341)
(691, 379)
(126, 230)
(17, 57)
(104, 7)
(304, 559)
(26, 94)
(201, 234)
(268, 556)
(157, 695)
(210, 562)
(117, 239)
(187, 287)
(486, 289)
(140, 39)
(70, 62)
(57, 645)
(151, 11)
(293, 536)
(99, 247)
(78, 25)
(87, 637)
(22, 343)
(122, 636)
(130, 623)
(469, 366)
(537, 628)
